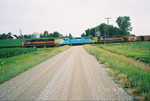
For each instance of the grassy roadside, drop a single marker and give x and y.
(137, 50)
(11, 67)
(127, 71)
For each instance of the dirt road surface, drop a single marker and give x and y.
(70, 75)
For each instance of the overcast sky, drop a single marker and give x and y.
(71, 16)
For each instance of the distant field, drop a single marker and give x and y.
(17, 42)
(137, 50)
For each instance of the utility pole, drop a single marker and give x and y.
(108, 25)
(21, 36)
(95, 32)
(20, 32)
(104, 34)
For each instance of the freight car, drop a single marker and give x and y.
(145, 38)
(129, 38)
(76, 41)
(109, 40)
(39, 43)
(136, 38)
(123, 39)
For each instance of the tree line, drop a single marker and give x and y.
(54, 34)
(45, 34)
(10, 36)
(105, 31)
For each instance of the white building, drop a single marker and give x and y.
(35, 35)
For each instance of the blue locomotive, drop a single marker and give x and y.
(76, 41)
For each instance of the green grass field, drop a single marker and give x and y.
(9, 52)
(11, 42)
(129, 72)
(137, 50)
(18, 42)
(12, 66)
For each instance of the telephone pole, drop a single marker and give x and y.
(108, 24)
(20, 32)
(21, 36)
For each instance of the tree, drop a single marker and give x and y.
(3, 36)
(83, 35)
(51, 35)
(41, 35)
(90, 31)
(16, 36)
(87, 32)
(124, 25)
(45, 33)
(56, 34)
(70, 36)
(113, 31)
(27, 36)
(61, 35)
(91, 37)
(103, 29)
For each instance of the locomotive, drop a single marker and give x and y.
(39, 43)
(108, 40)
(76, 41)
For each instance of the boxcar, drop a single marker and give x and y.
(145, 38)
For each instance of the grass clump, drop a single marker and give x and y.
(11, 67)
(129, 74)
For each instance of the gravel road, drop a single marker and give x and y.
(70, 75)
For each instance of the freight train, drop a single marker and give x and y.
(52, 42)
(82, 40)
